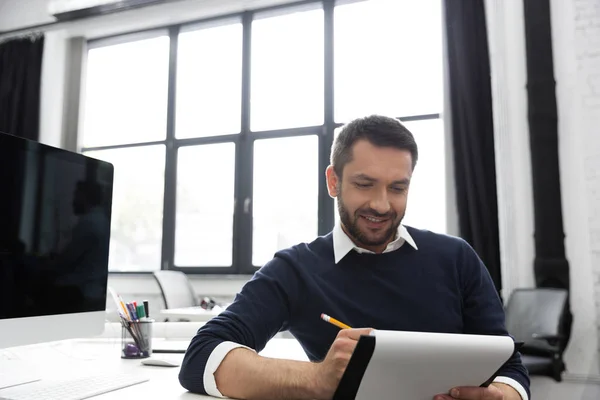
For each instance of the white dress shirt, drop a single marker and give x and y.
(342, 244)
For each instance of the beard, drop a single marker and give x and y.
(360, 236)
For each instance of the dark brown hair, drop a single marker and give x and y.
(378, 130)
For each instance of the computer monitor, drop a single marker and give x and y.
(55, 211)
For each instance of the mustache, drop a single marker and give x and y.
(373, 213)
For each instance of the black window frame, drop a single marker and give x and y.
(244, 140)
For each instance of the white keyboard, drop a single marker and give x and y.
(71, 389)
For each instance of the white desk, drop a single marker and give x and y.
(73, 358)
(194, 314)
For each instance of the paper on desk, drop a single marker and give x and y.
(419, 365)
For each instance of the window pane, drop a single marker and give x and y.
(426, 207)
(287, 71)
(126, 93)
(388, 58)
(204, 224)
(209, 81)
(427, 197)
(137, 210)
(285, 194)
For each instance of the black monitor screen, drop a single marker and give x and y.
(55, 209)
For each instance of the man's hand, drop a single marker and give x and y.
(496, 391)
(473, 393)
(328, 373)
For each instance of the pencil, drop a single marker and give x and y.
(334, 321)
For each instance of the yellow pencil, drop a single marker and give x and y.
(334, 321)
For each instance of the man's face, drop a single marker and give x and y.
(372, 193)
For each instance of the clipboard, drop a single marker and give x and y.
(487, 383)
(359, 361)
(352, 377)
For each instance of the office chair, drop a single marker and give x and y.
(536, 316)
(176, 289)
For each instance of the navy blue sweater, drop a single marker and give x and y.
(442, 287)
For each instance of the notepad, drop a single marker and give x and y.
(418, 365)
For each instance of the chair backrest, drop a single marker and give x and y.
(535, 311)
(176, 289)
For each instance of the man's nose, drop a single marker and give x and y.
(380, 202)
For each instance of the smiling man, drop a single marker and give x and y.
(370, 271)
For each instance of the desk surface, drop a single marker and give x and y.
(60, 360)
(195, 314)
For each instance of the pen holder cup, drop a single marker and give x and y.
(136, 339)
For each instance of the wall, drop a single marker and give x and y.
(576, 46)
(22, 13)
(587, 35)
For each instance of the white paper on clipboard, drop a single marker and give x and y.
(419, 365)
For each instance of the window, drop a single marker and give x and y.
(283, 214)
(209, 81)
(287, 71)
(426, 206)
(137, 211)
(126, 89)
(220, 130)
(388, 58)
(205, 206)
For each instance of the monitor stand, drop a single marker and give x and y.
(16, 372)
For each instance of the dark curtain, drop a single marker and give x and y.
(20, 81)
(473, 130)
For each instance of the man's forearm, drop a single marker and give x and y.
(244, 374)
(508, 391)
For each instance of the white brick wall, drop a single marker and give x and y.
(576, 47)
(587, 48)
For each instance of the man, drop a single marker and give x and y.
(371, 271)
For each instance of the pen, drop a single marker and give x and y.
(140, 311)
(132, 311)
(125, 310)
(146, 308)
(120, 309)
(135, 316)
(334, 321)
(124, 306)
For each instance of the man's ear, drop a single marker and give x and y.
(332, 181)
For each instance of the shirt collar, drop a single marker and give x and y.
(342, 244)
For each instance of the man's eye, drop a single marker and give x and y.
(362, 185)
